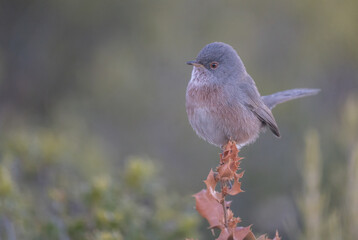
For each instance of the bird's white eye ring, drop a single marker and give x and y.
(214, 65)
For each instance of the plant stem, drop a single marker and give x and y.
(223, 202)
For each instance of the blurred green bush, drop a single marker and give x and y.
(59, 185)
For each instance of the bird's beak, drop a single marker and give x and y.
(194, 63)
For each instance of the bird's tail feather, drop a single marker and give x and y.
(272, 100)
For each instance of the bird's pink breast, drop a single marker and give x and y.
(217, 118)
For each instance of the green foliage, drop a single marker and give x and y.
(6, 185)
(323, 219)
(312, 200)
(58, 185)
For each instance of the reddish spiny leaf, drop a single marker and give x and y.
(210, 209)
(233, 222)
(225, 171)
(264, 237)
(240, 175)
(210, 181)
(240, 233)
(250, 236)
(225, 235)
(236, 187)
(229, 162)
(209, 202)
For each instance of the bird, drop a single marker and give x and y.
(222, 100)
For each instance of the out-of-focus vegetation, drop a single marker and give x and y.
(84, 85)
(57, 185)
(330, 211)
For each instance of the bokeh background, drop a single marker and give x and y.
(94, 138)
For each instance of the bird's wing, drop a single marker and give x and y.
(253, 101)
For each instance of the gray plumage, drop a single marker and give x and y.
(272, 100)
(222, 100)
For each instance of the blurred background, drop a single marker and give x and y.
(95, 142)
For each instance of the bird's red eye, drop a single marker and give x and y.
(214, 65)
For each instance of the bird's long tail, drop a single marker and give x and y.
(272, 100)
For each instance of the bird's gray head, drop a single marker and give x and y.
(219, 63)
